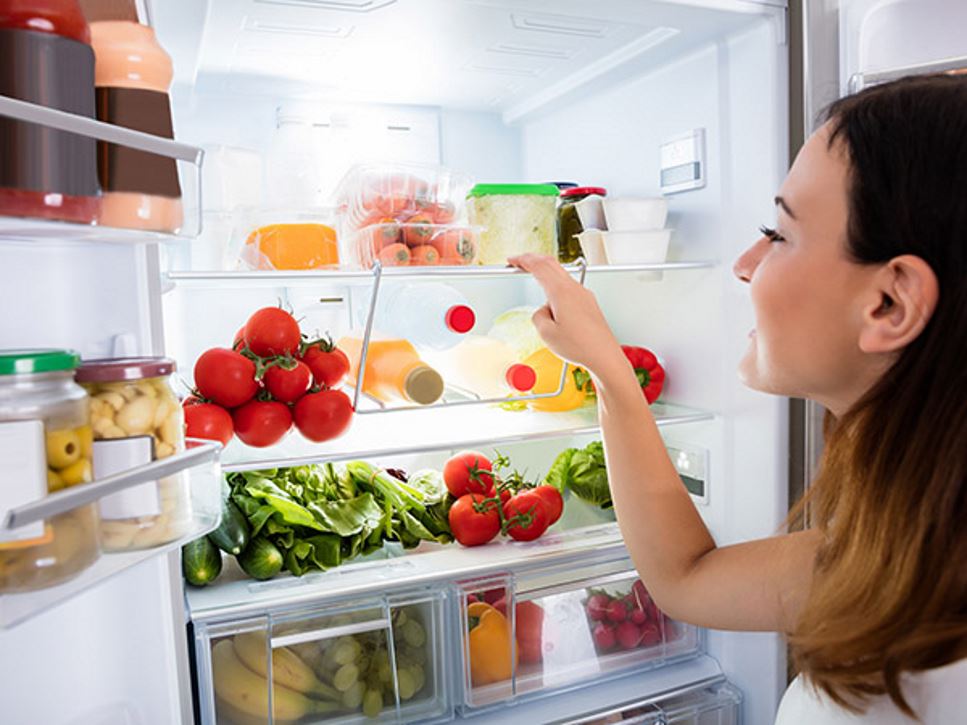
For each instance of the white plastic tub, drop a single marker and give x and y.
(624, 214)
(641, 247)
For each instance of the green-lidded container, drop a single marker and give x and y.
(514, 219)
(46, 444)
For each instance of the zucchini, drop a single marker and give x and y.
(231, 536)
(201, 562)
(261, 559)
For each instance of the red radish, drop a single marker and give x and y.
(628, 635)
(650, 635)
(638, 617)
(598, 607)
(640, 593)
(604, 638)
(617, 611)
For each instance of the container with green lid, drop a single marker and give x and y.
(514, 219)
(46, 444)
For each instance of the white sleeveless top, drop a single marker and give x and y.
(938, 696)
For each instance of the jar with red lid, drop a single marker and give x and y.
(136, 419)
(571, 219)
(46, 59)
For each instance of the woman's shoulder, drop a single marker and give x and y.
(938, 696)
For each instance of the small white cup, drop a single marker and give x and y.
(637, 247)
(592, 244)
(625, 214)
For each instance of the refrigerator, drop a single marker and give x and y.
(703, 101)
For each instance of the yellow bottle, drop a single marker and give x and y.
(548, 367)
(394, 371)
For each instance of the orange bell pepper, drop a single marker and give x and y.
(493, 655)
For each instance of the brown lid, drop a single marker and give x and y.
(119, 369)
(423, 385)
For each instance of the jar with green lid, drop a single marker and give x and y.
(46, 444)
(137, 419)
(569, 221)
(513, 219)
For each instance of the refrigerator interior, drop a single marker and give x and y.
(505, 91)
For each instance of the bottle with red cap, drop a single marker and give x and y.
(430, 315)
(485, 367)
(46, 59)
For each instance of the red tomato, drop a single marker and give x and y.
(209, 421)
(272, 331)
(527, 515)
(287, 385)
(261, 423)
(529, 629)
(505, 494)
(191, 400)
(468, 472)
(238, 342)
(226, 377)
(327, 363)
(324, 415)
(473, 527)
(553, 502)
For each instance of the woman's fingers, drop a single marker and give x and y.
(548, 272)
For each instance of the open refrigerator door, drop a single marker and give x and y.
(294, 103)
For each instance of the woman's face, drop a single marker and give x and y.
(805, 291)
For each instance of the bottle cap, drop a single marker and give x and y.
(521, 377)
(423, 385)
(460, 319)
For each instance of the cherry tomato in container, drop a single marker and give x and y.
(272, 331)
(468, 472)
(209, 421)
(526, 516)
(287, 382)
(261, 423)
(225, 377)
(327, 363)
(474, 520)
(324, 415)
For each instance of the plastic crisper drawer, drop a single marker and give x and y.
(568, 627)
(717, 703)
(378, 659)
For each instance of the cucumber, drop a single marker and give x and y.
(231, 536)
(261, 559)
(201, 562)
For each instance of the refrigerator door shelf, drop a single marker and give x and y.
(571, 625)
(425, 431)
(150, 211)
(197, 471)
(713, 703)
(381, 657)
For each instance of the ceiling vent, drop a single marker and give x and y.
(253, 25)
(533, 51)
(352, 6)
(561, 25)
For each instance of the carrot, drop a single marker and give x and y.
(418, 230)
(424, 255)
(456, 244)
(395, 255)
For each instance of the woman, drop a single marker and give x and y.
(860, 299)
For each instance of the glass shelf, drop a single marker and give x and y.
(201, 468)
(249, 278)
(422, 431)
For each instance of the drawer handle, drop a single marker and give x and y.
(329, 632)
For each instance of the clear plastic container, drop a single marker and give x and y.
(136, 419)
(404, 215)
(514, 219)
(46, 444)
(569, 627)
(430, 314)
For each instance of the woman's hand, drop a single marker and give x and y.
(571, 323)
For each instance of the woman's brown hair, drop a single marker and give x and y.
(889, 591)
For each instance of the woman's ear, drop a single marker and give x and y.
(907, 292)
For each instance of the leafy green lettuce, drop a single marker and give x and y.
(583, 471)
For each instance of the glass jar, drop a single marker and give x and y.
(45, 445)
(137, 419)
(515, 218)
(569, 223)
(46, 59)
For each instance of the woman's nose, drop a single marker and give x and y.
(747, 262)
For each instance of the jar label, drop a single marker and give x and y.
(129, 170)
(122, 454)
(56, 72)
(23, 466)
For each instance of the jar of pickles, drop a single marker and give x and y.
(45, 445)
(136, 419)
(572, 220)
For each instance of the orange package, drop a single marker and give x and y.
(292, 246)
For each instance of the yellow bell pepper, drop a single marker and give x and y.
(548, 367)
(492, 653)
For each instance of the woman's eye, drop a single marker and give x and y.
(772, 234)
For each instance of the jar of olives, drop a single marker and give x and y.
(46, 444)
(136, 419)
